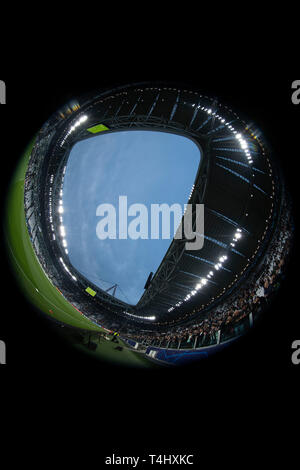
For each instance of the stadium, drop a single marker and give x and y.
(196, 302)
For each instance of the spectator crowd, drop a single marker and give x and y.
(247, 301)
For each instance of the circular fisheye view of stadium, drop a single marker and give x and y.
(151, 223)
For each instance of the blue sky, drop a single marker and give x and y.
(146, 166)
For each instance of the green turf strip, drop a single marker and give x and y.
(34, 282)
(30, 274)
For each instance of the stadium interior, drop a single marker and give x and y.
(196, 302)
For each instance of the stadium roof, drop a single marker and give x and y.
(236, 182)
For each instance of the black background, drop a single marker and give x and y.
(254, 383)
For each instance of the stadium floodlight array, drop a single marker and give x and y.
(242, 140)
(60, 209)
(237, 236)
(204, 281)
(77, 123)
(151, 318)
(67, 269)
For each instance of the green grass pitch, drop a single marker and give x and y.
(32, 279)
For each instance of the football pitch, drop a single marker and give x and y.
(33, 281)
